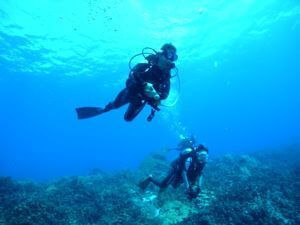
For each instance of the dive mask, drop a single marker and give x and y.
(170, 54)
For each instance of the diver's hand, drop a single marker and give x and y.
(189, 192)
(156, 102)
(193, 192)
(150, 91)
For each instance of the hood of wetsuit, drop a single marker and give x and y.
(169, 51)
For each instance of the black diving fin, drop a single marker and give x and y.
(88, 112)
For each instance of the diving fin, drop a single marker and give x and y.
(88, 112)
(144, 184)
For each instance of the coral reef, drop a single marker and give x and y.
(256, 189)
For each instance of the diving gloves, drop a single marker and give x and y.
(150, 91)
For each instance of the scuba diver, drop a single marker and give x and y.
(148, 83)
(186, 168)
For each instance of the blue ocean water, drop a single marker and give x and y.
(239, 76)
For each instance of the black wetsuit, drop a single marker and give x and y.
(185, 163)
(133, 93)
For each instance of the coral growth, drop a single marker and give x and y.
(237, 190)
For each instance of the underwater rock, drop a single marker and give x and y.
(237, 190)
(175, 211)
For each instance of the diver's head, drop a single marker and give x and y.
(201, 153)
(169, 51)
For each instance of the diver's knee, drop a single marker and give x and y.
(128, 118)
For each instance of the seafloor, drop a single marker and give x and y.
(249, 189)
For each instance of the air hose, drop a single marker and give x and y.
(144, 54)
(179, 89)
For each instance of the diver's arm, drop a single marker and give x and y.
(185, 179)
(139, 73)
(184, 173)
(199, 182)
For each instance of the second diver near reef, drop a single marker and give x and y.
(148, 83)
(187, 168)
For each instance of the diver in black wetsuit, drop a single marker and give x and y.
(148, 83)
(187, 169)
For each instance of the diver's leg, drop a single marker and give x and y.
(134, 109)
(177, 181)
(121, 99)
(161, 184)
(88, 112)
(166, 181)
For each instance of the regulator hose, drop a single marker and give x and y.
(179, 90)
(144, 54)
